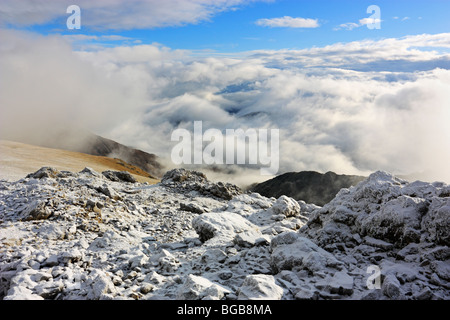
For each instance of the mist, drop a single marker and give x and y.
(333, 114)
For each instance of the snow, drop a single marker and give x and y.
(82, 236)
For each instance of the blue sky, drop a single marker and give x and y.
(234, 28)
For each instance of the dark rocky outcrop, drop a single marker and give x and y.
(309, 186)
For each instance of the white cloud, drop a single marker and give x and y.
(288, 22)
(346, 107)
(367, 21)
(362, 22)
(347, 26)
(117, 14)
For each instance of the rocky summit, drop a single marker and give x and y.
(91, 235)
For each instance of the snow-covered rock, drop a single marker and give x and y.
(67, 235)
(291, 251)
(260, 287)
(200, 288)
(287, 206)
(224, 225)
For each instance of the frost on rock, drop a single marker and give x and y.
(260, 287)
(91, 235)
(222, 225)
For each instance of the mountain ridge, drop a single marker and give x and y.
(309, 186)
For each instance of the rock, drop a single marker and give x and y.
(410, 249)
(260, 287)
(72, 255)
(36, 210)
(21, 293)
(167, 262)
(436, 222)
(378, 243)
(391, 287)
(221, 224)
(212, 256)
(111, 240)
(146, 288)
(44, 172)
(286, 206)
(52, 261)
(90, 171)
(341, 283)
(224, 191)
(248, 239)
(119, 176)
(51, 231)
(425, 294)
(50, 289)
(398, 221)
(100, 285)
(299, 252)
(183, 175)
(192, 207)
(442, 269)
(198, 288)
(109, 192)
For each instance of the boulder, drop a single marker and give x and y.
(221, 224)
(198, 288)
(44, 172)
(290, 250)
(36, 210)
(286, 206)
(260, 287)
(119, 176)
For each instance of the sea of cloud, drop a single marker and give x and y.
(349, 107)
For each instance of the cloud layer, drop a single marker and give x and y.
(350, 108)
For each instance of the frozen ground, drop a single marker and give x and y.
(81, 235)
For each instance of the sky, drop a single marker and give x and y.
(351, 90)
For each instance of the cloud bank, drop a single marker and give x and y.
(350, 108)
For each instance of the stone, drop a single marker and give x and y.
(260, 287)
(44, 172)
(192, 207)
(197, 288)
(378, 243)
(21, 293)
(224, 224)
(248, 239)
(36, 210)
(286, 206)
(442, 269)
(183, 175)
(341, 283)
(109, 192)
(300, 253)
(391, 287)
(100, 285)
(146, 288)
(52, 261)
(119, 176)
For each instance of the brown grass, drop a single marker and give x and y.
(19, 159)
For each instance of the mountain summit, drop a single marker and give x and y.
(309, 186)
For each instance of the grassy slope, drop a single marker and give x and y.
(19, 159)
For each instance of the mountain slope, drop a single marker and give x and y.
(309, 186)
(18, 159)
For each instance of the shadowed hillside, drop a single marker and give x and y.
(309, 186)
